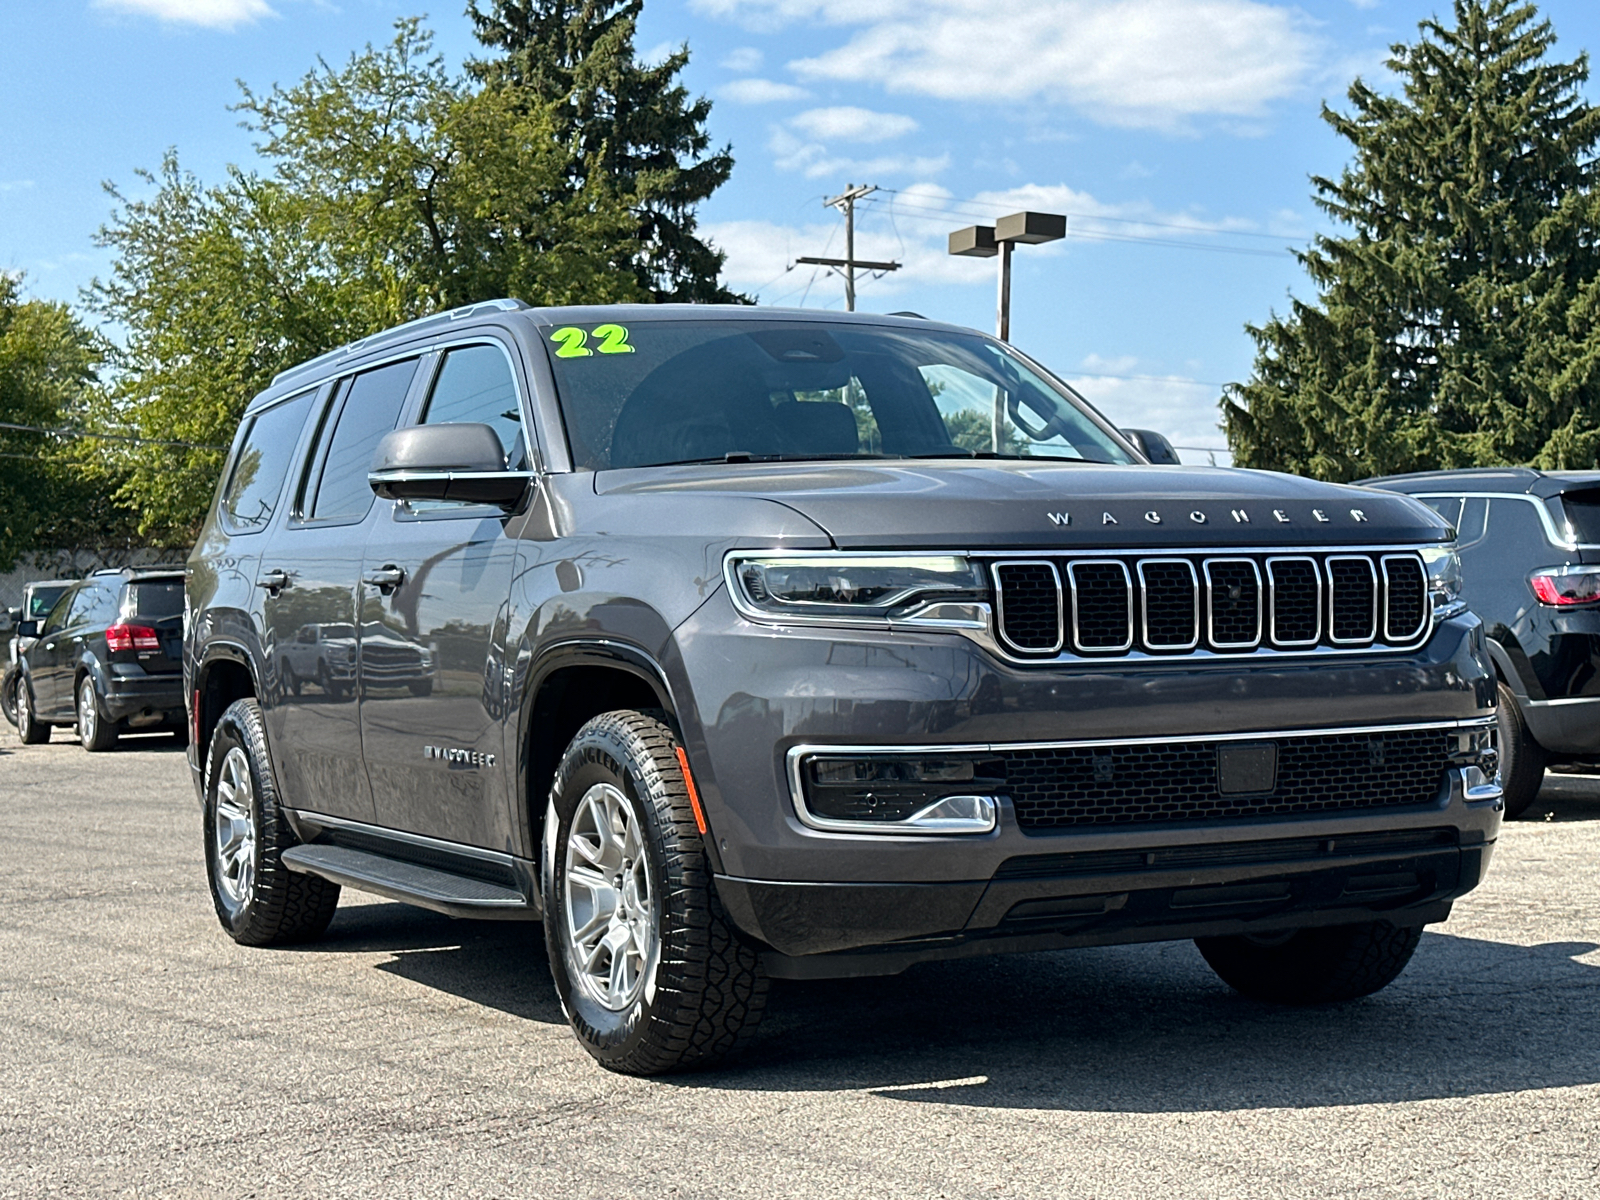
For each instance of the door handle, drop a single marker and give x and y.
(273, 581)
(386, 578)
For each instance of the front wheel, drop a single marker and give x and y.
(1521, 758)
(647, 966)
(30, 729)
(8, 695)
(259, 901)
(95, 732)
(1313, 966)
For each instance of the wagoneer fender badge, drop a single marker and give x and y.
(458, 758)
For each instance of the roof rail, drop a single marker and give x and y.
(375, 339)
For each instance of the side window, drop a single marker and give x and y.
(1515, 524)
(1474, 519)
(371, 408)
(57, 620)
(1448, 507)
(89, 602)
(252, 493)
(475, 385)
(103, 605)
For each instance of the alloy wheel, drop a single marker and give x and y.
(88, 712)
(612, 941)
(233, 828)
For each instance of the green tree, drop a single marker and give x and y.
(49, 493)
(635, 124)
(1455, 324)
(392, 190)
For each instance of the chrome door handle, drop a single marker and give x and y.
(273, 581)
(386, 578)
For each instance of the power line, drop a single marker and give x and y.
(109, 437)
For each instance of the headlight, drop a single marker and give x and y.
(1444, 579)
(850, 587)
(1566, 587)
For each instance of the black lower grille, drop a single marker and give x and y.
(1177, 781)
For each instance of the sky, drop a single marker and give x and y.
(1176, 135)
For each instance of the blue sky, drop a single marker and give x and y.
(1176, 134)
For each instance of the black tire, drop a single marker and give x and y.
(1521, 758)
(1313, 966)
(279, 906)
(8, 695)
(97, 733)
(30, 728)
(709, 990)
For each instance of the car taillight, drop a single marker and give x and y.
(1564, 587)
(131, 637)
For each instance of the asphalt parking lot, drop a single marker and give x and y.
(143, 1053)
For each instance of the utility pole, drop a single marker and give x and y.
(845, 202)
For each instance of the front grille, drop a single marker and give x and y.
(1234, 604)
(1062, 787)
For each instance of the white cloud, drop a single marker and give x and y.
(1182, 409)
(761, 91)
(1154, 63)
(791, 153)
(213, 14)
(15, 185)
(744, 60)
(848, 124)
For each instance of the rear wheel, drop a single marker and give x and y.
(1313, 966)
(30, 729)
(96, 733)
(647, 966)
(259, 901)
(1521, 758)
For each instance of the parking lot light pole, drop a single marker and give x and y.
(987, 241)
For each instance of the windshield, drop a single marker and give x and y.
(669, 391)
(44, 599)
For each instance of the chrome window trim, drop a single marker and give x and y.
(1211, 608)
(1272, 585)
(1372, 569)
(1388, 608)
(1000, 604)
(1551, 533)
(1127, 584)
(1144, 604)
(795, 756)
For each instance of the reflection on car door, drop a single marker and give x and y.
(310, 621)
(437, 577)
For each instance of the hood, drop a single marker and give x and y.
(981, 504)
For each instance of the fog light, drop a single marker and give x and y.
(892, 793)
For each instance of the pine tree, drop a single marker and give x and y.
(635, 124)
(1456, 324)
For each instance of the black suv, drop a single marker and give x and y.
(737, 643)
(1530, 568)
(108, 658)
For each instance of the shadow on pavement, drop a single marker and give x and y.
(1567, 795)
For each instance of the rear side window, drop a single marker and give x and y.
(475, 386)
(1583, 514)
(1448, 507)
(154, 598)
(371, 409)
(94, 605)
(252, 493)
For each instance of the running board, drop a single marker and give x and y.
(442, 891)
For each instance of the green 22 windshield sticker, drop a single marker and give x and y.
(572, 342)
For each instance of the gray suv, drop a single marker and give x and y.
(736, 644)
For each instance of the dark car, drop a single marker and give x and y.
(38, 598)
(777, 643)
(1530, 568)
(108, 657)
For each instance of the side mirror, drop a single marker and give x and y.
(28, 629)
(462, 462)
(1154, 447)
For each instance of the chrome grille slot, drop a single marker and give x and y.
(1405, 597)
(1171, 603)
(1295, 585)
(1352, 599)
(1102, 605)
(1233, 603)
(1028, 603)
(1194, 602)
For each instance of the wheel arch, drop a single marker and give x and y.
(226, 673)
(570, 683)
